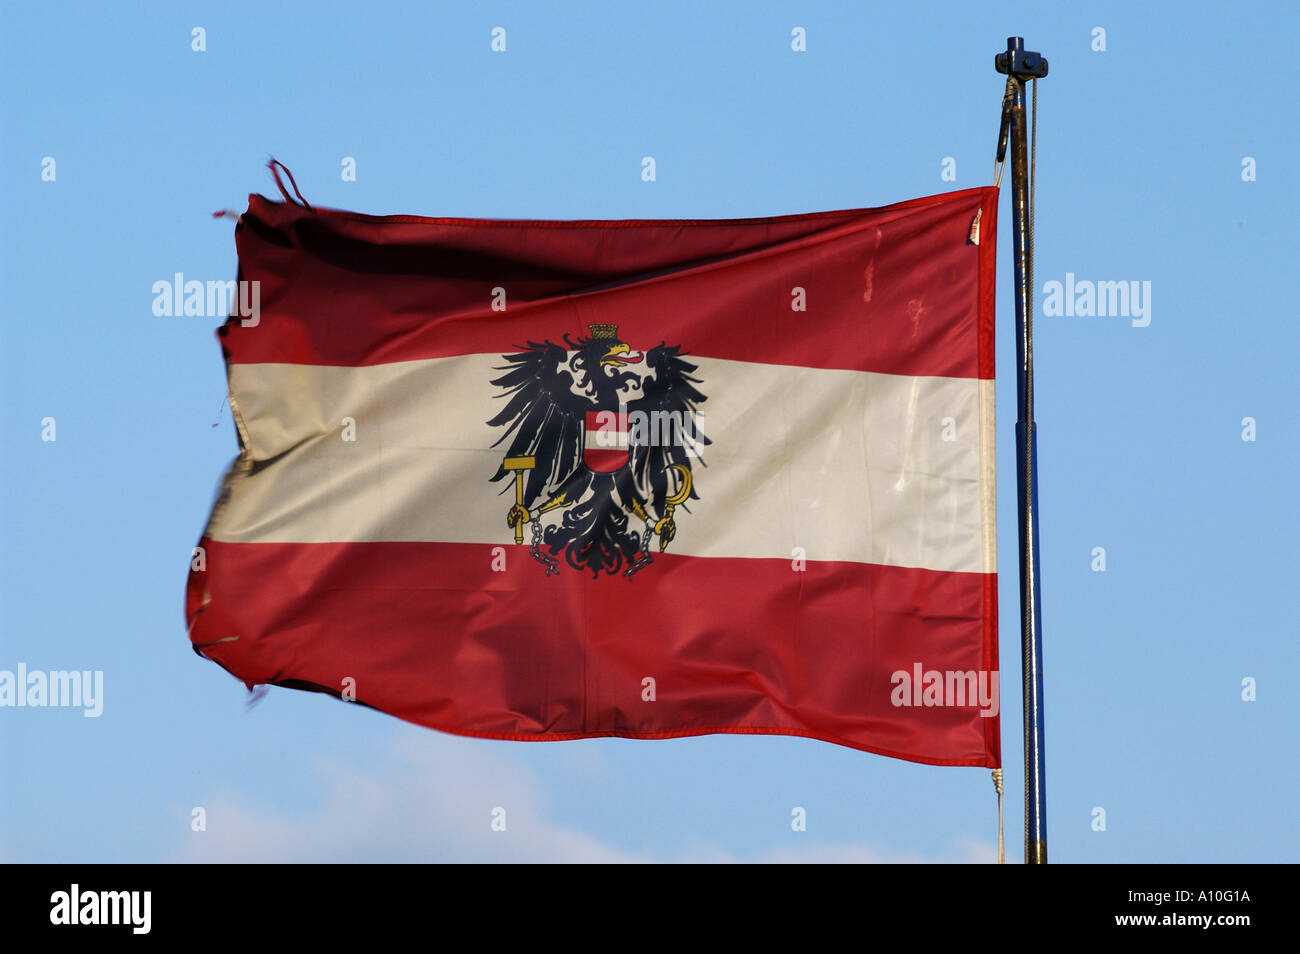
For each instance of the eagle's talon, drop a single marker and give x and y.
(666, 529)
(517, 516)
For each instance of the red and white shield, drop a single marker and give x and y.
(605, 440)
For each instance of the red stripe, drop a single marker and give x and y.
(604, 461)
(988, 286)
(992, 731)
(897, 290)
(431, 634)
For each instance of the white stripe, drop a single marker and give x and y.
(843, 465)
(988, 475)
(605, 439)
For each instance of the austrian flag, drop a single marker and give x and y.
(542, 480)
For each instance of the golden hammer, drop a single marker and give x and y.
(519, 465)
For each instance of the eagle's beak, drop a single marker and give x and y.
(620, 355)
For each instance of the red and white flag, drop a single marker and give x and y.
(554, 480)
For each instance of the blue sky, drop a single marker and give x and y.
(1141, 448)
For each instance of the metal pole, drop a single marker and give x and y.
(1021, 66)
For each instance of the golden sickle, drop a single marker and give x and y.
(681, 495)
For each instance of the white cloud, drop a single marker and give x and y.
(430, 799)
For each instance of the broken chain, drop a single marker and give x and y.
(645, 559)
(551, 564)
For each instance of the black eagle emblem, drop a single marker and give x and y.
(602, 445)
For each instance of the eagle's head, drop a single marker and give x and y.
(600, 364)
(619, 354)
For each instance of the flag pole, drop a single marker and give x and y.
(1021, 66)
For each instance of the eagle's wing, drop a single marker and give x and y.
(543, 417)
(680, 440)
